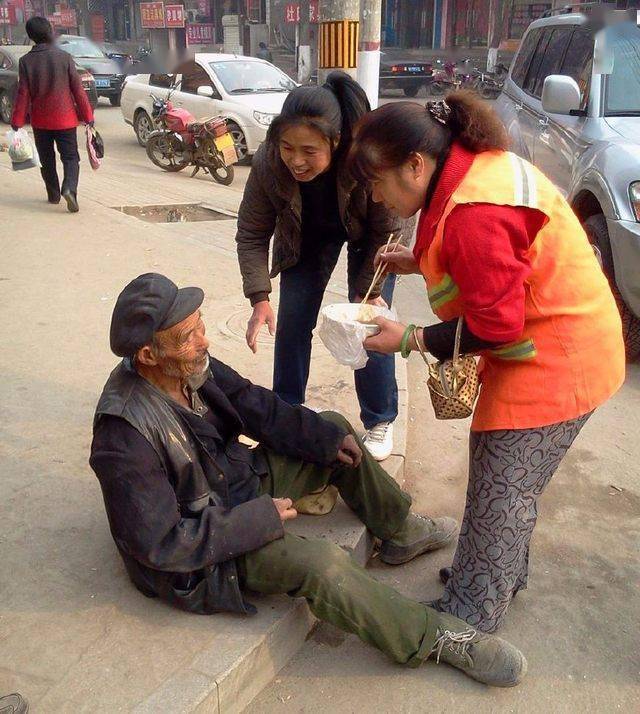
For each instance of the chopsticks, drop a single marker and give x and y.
(381, 268)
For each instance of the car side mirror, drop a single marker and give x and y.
(560, 95)
(206, 91)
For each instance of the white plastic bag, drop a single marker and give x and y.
(22, 151)
(342, 333)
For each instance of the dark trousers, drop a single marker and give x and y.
(336, 588)
(302, 288)
(67, 142)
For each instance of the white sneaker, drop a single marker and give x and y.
(379, 440)
(317, 410)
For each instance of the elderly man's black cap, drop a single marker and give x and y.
(149, 303)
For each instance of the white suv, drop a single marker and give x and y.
(571, 104)
(247, 91)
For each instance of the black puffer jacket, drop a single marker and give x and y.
(272, 206)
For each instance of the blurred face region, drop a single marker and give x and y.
(305, 151)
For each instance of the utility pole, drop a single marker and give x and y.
(304, 43)
(369, 49)
(338, 37)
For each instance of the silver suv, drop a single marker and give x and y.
(571, 104)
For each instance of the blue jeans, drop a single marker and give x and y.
(301, 291)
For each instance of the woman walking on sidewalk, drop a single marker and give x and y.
(498, 245)
(300, 192)
(50, 91)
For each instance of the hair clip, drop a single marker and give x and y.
(440, 111)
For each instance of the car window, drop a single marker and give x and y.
(162, 80)
(622, 88)
(578, 62)
(548, 59)
(523, 60)
(81, 47)
(243, 77)
(194, 76)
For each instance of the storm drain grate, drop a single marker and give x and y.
(177, 213)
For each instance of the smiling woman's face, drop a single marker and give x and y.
(305, 152)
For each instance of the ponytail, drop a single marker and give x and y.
(334, 109)
(387, 137)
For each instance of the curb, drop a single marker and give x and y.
(228, 687)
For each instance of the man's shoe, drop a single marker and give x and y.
(445, 575)
(14, 704)
(379, 440)
(55, 199)
(487, 658)
(418, 535)
(72, 201)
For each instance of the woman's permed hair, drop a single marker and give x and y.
(386, 138)
(333, 109)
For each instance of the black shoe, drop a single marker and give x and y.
(72, 201)
(445, 575)
(54, 199)
(13, 704)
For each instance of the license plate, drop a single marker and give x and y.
(224, 142)
(414, 69)
(226, 146)
(102, 83)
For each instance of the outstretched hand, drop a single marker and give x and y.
(349, 452)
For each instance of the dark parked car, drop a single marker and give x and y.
(9, 58)
(107, 73)
(121, 57)
(404, 73)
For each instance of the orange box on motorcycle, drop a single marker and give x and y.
(226, 146)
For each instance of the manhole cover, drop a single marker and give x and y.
(177, 213)
(235, 325)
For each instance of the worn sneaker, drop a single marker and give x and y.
(487, 658)
(379, 440)
(14, 704)
(72, 201)
(418, 535)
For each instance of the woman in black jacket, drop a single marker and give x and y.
(300, 192)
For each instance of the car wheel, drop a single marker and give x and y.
(6, 107)
(412, 90)
(598, 234)
(143, 126)
(240, 141)
(115, 101)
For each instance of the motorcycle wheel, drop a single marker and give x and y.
(222, 174)
(165, 151)
(214, 163)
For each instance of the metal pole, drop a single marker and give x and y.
(338, 37)
(304, 44)
(369, 49)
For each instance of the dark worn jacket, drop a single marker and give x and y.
(182, 494)
(272, 206)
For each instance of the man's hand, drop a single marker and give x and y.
(377, 301)
(398, 259)
(349, 452)
(284, 508)
(388, 339)
(262, 313)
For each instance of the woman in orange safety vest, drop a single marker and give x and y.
(498, 245)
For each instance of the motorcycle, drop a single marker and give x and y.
(488, 85)
(181, 140)
(448, 78)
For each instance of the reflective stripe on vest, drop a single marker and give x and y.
(525, 349)
(442, 293)
(524, 185)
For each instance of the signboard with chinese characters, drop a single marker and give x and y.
(64, 19)
(200, 34)
(152, 15)
(7, 15)
(292, 12)
(174, 15)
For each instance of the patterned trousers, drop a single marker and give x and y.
(508, 470)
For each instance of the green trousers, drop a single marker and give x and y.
(336, 588)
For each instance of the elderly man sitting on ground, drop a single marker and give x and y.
(198, 517)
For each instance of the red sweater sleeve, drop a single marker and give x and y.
(85, 112)
(485, 250)
(21, 106)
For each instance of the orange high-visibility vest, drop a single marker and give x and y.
(570, 357)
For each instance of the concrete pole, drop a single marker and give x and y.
(304, 44)
(338, 37)
(369, 49)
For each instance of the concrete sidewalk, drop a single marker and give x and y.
(75, 636)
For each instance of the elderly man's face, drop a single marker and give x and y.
(181, 351)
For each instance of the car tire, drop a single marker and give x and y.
(143, 126)
(115, 101)
(240, 141)
(412, 90)
(598, 234)
(6, 107)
